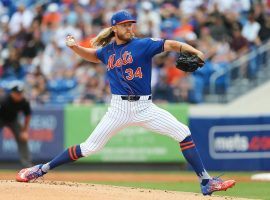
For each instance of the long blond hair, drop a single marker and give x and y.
(103, 38)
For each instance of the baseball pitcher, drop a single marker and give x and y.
(128, 61)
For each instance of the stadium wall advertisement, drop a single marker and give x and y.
(46, 136)
(133, 144)
(233, 143)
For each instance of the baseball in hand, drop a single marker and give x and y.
(70, 41)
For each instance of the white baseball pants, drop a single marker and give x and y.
(123, 113)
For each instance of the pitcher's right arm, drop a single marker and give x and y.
(88, 54)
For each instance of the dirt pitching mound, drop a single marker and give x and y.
(52, 190)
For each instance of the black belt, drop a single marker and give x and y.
(133, 97)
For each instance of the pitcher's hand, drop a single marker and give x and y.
(70, 41)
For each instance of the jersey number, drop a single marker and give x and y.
(131, 74)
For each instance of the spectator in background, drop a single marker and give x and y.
(70, 16)
(66, 29)
(188, 7)
(10, 107)
(96, 8)
(12, 68)
(207, 44)
(36, 84)
(177, 80)
(217, 29)
(39, 13)
(52, 16)
(199, 20)
(163, 92)
(170, 20)
(148, 20)
(240, 46)
(184, 29)
(21, 19)
(264, 32)
(258, 13)
(223, 53)
(47, 60)
(238, 43)
(33, 44)
(182, 89)
(172, 73)
(224, 6)
(94, 85)
(91, 91)
(251, 30)
(231, 21)
(4, 29)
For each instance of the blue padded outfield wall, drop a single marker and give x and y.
(46, 135)
(224, 143)
(54, 128)
(233, 143)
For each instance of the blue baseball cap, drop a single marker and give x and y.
(122, 16)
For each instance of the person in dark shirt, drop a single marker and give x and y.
(264, 32)
(10, 106)
(238, 43)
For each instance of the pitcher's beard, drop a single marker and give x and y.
(125, 38)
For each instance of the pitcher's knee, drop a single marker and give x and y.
(182, 133)
(90, 148)
(186, 131)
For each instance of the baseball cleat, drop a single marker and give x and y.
(31, 173)
(216, 184)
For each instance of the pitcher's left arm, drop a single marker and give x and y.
(172, 45)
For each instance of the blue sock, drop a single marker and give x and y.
(191, 154)
(69, 155)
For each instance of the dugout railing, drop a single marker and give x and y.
(240, 76)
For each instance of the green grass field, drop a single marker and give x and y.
(246, 189)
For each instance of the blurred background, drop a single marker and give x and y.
(225, 103)
(234, 35)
